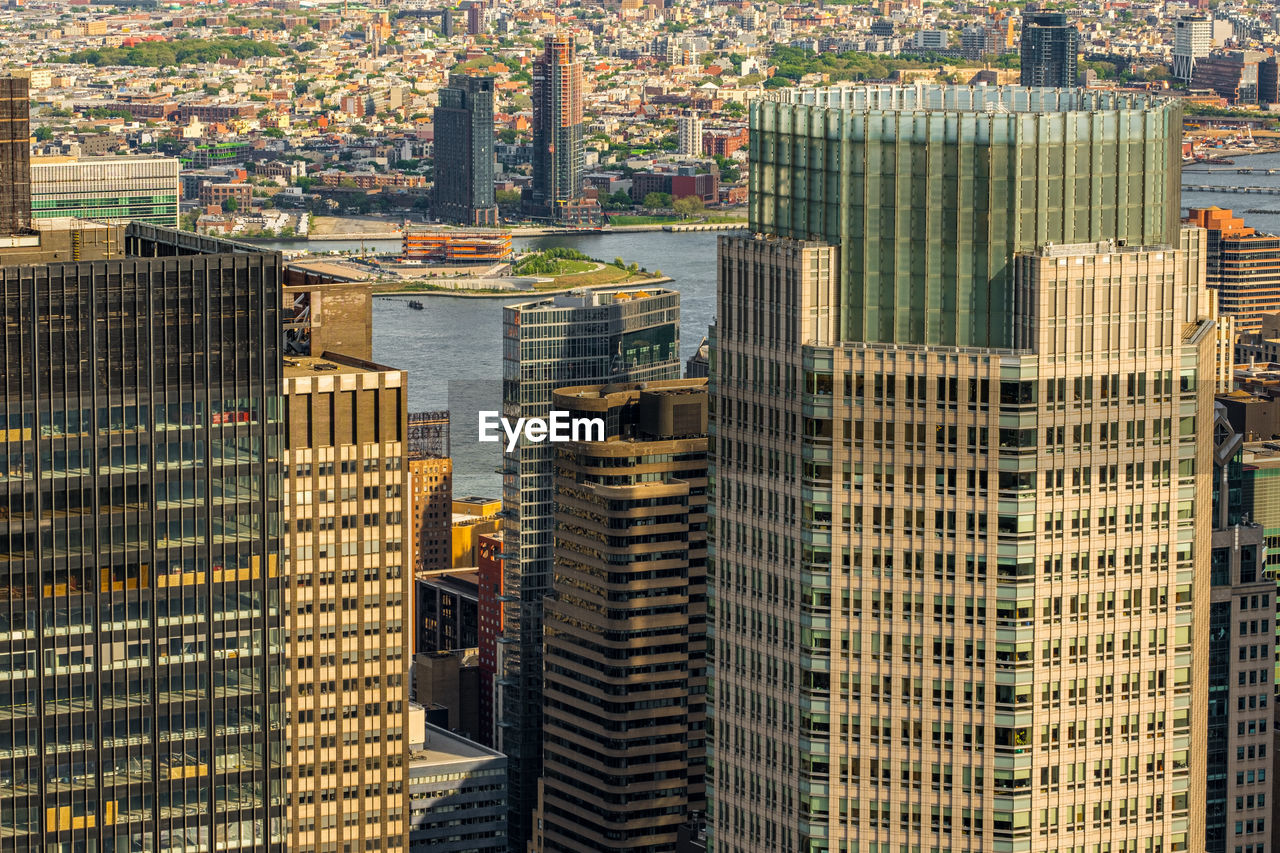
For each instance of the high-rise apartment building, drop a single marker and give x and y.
(624, 693)
(15, 154)
(559, 156)
(346, 603)
(602, 336)
(1242, 617)
(464, 151)
(1192, 40)
(959, 576)
(141, 668)
(108, 189)
(1242, 265)
(1050, 50)
(689, 135)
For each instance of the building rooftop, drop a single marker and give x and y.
(69, 240)
(462, 581)
(329, 363)
(443, 747)
(595, 298)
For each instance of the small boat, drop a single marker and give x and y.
(415, 305)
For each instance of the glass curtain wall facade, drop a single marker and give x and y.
(604, 336)
(140, 660)
(929, 190)
(464, 152)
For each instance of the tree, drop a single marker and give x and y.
(654, 201)
(688, 205)
(230, 205)
(620, 199)
(44, 134)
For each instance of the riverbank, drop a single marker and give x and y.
(327, 229)
(532, 294)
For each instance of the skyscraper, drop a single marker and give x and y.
(15, 154)
(959, 578)
(141, 669)
(346, 604)
(1050, 50)
(1241, 663)
(464, 152)
(603, 336)
(558, 152)
(916, 267)
(624, 729)
(1242, 265)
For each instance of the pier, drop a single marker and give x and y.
(1210, 188)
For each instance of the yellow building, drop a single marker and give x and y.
(472, 516)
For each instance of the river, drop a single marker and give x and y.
(452, 349)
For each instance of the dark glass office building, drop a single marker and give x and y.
(464, 152)
(1050, 50)
(140, 665)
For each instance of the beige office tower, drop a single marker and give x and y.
(960, 594)
(346, 599)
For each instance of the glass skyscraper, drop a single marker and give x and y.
(140, 659)
(464, 152)
(1050, 50)
(619, 335)
(930, 190)
(960, 533)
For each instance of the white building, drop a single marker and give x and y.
(690, 135)
(930, 40)
(1192, 39)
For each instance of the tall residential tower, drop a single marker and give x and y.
(1050, 50)
(961, 394)
(558, 152)
(464, 152)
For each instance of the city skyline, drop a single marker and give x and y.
(960, 528)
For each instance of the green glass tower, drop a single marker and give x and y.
(930, 190)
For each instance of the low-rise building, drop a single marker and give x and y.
(107, 189)
(457, 792)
